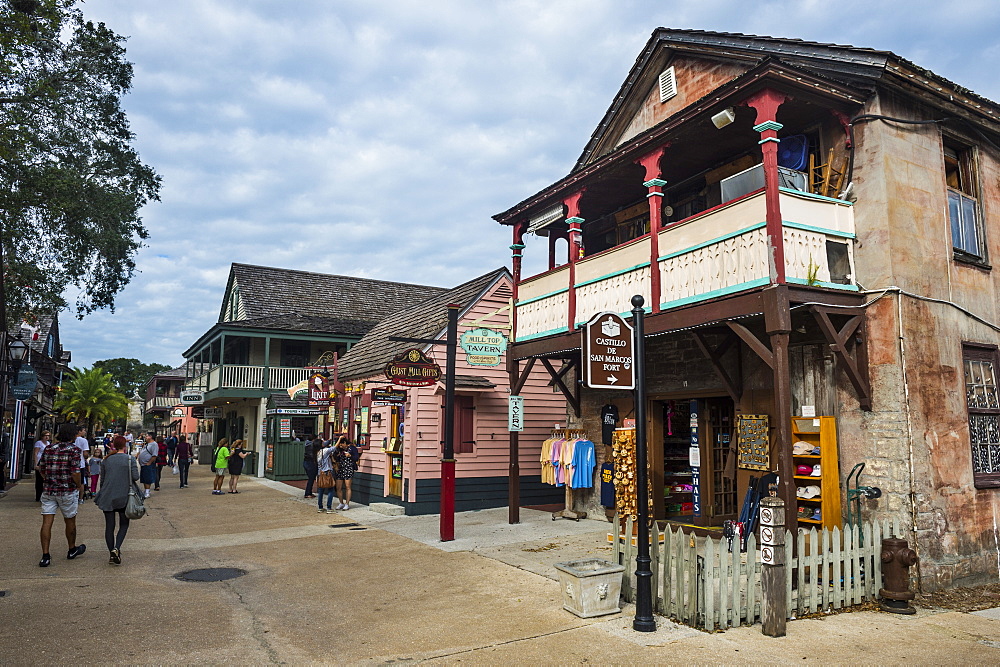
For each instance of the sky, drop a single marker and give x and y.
(376, 139)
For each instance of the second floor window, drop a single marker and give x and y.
(963, 203)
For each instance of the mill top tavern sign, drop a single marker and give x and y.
(609, 346)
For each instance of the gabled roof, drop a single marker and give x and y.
(859, 67)
(427, 320)
(298, 322)
(268, 292)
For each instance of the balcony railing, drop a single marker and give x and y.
(718, 252)
(161, 402)
(248, 377)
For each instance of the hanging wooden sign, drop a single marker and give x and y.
(752, 442)
(412, 368)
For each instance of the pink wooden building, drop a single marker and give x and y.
(402, 441)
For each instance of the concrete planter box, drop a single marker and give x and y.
(591, 586)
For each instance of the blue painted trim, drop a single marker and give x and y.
(516, 246)
(774, 139)
(654, 182)
(543, 296)
(540, 334)
(821, 230)
(810, 195)
(714, 293)
(718, 239)
(625, 314)
(613, 274)
(768, 125)
(574, 219)
(654, 194)
(803, 281)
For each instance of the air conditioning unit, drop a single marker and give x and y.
(752, 179)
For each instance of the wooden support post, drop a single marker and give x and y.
(654, 184)
(575, 223)
(766, 103)
(774, 602)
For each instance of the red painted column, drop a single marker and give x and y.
(653, 182)
(766, 104)
(575, 249)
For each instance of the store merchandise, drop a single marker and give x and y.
(817, 515)
(807, 492)
(801, 447)
(568, 458)
(609, 419)
(816, 471)
(803, 470)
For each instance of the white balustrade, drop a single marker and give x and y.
(283, 377)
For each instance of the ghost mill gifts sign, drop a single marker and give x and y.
(609, 346)
(412, 369)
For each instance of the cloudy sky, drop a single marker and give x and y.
(376, 139)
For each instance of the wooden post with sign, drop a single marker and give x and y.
(774, 600)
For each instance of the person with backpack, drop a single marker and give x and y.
(147, 463)
(220, 462)
(171, 448)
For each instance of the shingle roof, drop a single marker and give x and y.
(298, 322)
(268, 292)
(427, 320)
(280, 400)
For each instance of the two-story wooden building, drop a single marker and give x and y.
(811, 227)
(273, 324)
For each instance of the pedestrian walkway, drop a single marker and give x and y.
(361, 588)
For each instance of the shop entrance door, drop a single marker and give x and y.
(719, 498)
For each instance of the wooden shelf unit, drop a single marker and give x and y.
(821, 431)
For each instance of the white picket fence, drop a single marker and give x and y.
(700, 582)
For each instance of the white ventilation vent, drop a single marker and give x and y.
(668, 84)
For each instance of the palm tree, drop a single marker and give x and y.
(90, 394)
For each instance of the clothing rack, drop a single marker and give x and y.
(569, 512)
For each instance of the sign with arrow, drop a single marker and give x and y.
(609, 345)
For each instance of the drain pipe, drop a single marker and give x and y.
(909, 427)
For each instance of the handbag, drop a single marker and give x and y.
(135, 507)
(177, 469)
(325, 480)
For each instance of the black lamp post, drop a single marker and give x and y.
(17, 351)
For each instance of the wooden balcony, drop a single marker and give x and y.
(714, 253)
(161, 402)
(248, 378)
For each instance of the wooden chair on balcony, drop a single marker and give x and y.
(825, 179)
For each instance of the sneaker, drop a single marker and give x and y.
(321, 510)
(76, 551)
(116, 557)
(345, 507)
(146, 493)
(330, 511)
(46, 560)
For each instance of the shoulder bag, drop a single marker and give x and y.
(135, 507)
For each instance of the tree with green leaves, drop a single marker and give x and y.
(130, 375)
(89, 396)
(71, 184)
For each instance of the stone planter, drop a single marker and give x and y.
(591, 586)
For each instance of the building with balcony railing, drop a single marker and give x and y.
(810, 229)
(273, 325)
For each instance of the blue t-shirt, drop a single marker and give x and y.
(584, 463)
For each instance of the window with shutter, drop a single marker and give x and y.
(983, 401)
(668, 84)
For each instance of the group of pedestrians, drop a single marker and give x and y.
(116, 466)
(339, 461)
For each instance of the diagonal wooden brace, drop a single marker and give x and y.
(734, 389)
(842, 345)
(752, 342)
(572, 397)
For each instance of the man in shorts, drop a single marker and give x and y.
(220, 465)
(62, 488)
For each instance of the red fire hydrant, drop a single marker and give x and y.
(897, 558)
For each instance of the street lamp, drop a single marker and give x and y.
(17, 350)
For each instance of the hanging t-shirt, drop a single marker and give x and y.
(609, 418)
(608, 485)
(582, 476)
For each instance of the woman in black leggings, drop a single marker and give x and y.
(119, 472)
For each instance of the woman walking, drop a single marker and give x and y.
(346, 456)
(326, 465)
(119, 473)
(236, 456)
(184, 455)
(311, 465)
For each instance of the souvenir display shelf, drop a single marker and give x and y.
(821, 432)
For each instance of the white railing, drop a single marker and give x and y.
(247, 377)
(718, 252)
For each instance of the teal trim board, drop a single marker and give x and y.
(819, 230)
(626, 314)
(543, 296)
(810, 195)
(719, 239)
(540, 334)
(714, 293)
(613, 274)
(803, 281)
